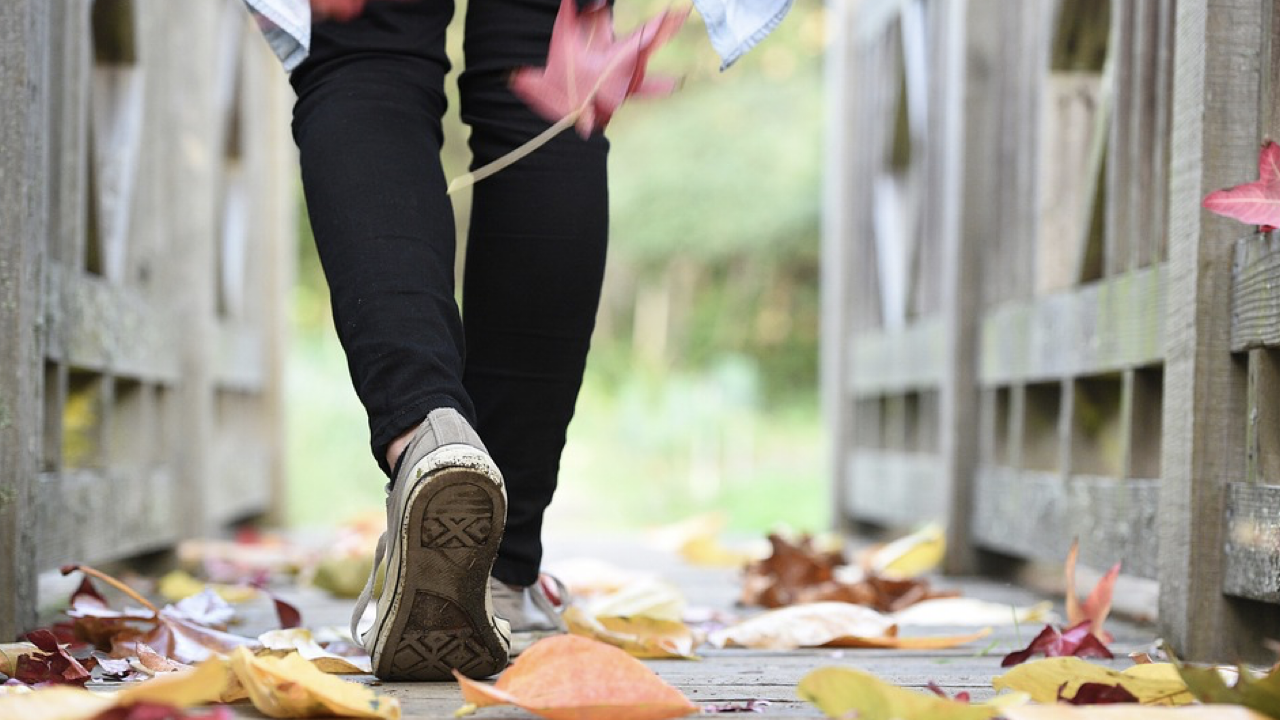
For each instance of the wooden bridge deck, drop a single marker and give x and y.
(736, 676)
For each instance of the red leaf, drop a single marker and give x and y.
(1092, 693)
(589, 73)
(51, 666)
(1255, 203)
(1052, 642)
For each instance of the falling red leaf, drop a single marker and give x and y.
(50, 666)
(589, 73)
(1094, 693)
(1052, 642)
(1257, 202)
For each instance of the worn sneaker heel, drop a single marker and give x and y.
(435, 615)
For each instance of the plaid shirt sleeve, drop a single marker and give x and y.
(286, 25)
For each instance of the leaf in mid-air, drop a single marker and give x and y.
(1257, 202)
(589, 73)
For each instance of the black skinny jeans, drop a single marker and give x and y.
(367, 124)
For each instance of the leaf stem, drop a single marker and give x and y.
(117, 584)
(465, 181)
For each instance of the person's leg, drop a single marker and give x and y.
(367, 124)
(534, 266)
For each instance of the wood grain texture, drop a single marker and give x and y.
(1252, 542)
(1035, 515)
(1255, 293)
(894, 361)
(24, 25)
(1214, 139)
(895, 488)
(1102, 327)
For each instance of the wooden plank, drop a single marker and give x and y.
(1103, 327)
(1255, 294)
(896, 489)
(838, 287)
(1252, 537)
(1121, 195)
(241, 355)
(1035, 515)
(105, 326)
(1214, 141)
(897, 360)
(24, 33)
(96, 515)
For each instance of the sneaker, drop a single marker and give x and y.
(445, 516)
(533, 612)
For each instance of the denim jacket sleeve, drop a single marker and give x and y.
(735, 26)
(286, 24)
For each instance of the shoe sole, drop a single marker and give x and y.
(439, 618)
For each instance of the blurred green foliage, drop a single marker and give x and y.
(701, 386)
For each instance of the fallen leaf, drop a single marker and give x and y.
(811, 625)
(1251, 691)
(841, 692)
(179, 584)
(1097, 694)
(568, 677)
(200, 685)
(292, 687)
(647, 597)
(1052, 642)
(1257, 202)
(1097, 606)
(640, 637)
(936, 689)
(1044, 680)
(899, 642)
(960, 612)
(51, 665)
(10, 652)
(909, 556)
(301, 641)
(159, 699)
(205, 608)
(155, 711)
(589, 73)
(60, 702)
(1129, 712)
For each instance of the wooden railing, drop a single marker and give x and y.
(146, 233)
(1097, 357)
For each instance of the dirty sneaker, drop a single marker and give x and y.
(533, 612)
(445, 516)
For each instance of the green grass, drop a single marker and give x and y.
(644, 448)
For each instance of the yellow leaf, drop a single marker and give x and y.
(847, 693)
(300, 640)
(640, 637)
(708, 551)
(647, 597)
(185, 688)
(1131, 712)
(568, 677)
(180, 585)
(10, 652)
(292, 687)
(898, 642)
(911, 556)
(1152, 684)
(60, 702)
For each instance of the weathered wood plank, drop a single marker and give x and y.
(1252, 542)
(1216, 105)
(241, 356)
(1255, 293)
(94, 515)
(895, 489)
(1103, 327)
(1121, 196)
(100, 325)
(24, 25)
(1036, 514)
(897, 360)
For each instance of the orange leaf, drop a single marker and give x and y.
(1097, 606)
(568, 677)
(894, 642)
